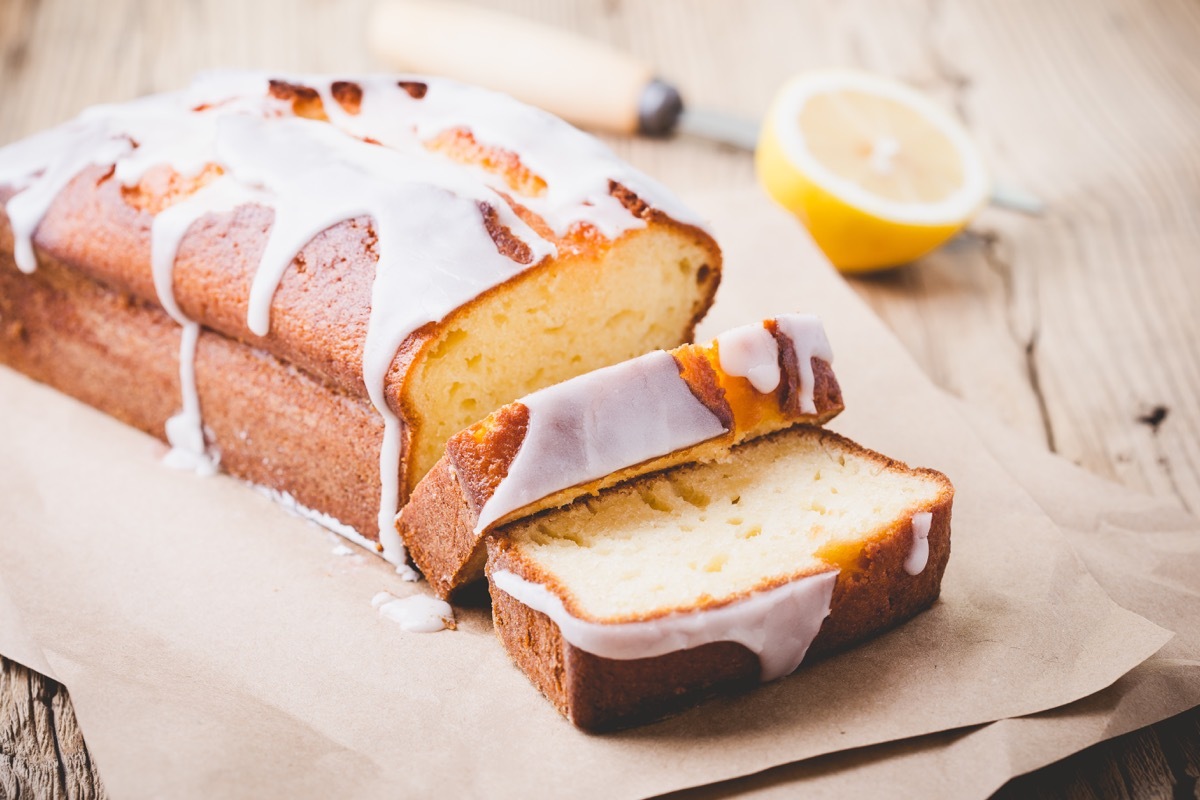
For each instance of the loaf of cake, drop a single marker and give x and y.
(598, 429)
(714, 577)
(313, 282)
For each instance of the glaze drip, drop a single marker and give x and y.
(809, 341)
(81, 145)
(185, 430)
(778, 625)
(918, 556)
(751, 352)
(416, 613)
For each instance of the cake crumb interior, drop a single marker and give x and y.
(778, 506)
(640, 294)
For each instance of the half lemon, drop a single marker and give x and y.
(879, 173)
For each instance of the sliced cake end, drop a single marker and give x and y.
(639, 601)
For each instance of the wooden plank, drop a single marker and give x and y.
(1130, 766)
(1180, 739)
(1092, 116)
(42, 753)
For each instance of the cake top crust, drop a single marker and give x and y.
(274, 137)
(506, 183)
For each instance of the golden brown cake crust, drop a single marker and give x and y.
(599, 694)
(481, 455)
(274, 425)
(437, 525)
(447, 548)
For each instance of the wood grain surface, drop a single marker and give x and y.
(1078, 327)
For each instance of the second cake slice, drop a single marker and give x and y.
(599, 429)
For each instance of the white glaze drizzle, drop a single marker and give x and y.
(918, 556)
(751, 352)
(809, 341)
(592, 425)
(575, 166)
(165, 133)
(71, 147)
(330, 523)
(315, 177)
(319, 178)
(291, 505)
(417, 613)
(163, 128)
(778, 625)
(185, 430)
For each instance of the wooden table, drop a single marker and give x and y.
(1077, 328)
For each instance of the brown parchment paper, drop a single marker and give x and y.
(214, 645)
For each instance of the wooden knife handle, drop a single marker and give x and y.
(587, 83)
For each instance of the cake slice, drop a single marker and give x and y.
(604, 427)
(711, 577)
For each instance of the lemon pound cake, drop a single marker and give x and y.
(604, 427)
(712, 577)
(312, 282)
